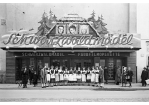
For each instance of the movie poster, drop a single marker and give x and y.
(84, 29)
(61, 29)
(72, 29)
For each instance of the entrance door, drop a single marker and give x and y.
(111, 68)
(112, 64)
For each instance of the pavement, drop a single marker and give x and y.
(110, 93)
(108, 87)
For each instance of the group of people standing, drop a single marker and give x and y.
(96, 76)
(30, 75)
(145, 75)
(54, 76)
(123, 75)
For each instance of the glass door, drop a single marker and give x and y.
(111, 68)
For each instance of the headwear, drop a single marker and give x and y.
(144, 68)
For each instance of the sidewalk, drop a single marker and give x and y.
(110, 86)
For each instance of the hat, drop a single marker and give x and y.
(144, 68)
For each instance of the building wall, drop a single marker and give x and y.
(131, 62)
(10, 67)
(27, 16)
(142, 28)
(2, 31)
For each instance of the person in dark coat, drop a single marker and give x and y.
(147, 72)
(106, 74)
(35, 78)
(114, 70)
(124, 73)
(129, 75)
(24, 77)
(144, 76)
(101, 76)
(43, 76)
(118, 75)
(31, 73)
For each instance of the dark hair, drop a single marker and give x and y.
(59, 27)
(72, 26)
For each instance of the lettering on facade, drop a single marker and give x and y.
(70, 40)
(99, 54)
(87, 54)
(42, 54)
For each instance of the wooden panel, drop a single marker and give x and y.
(10, 67)
(131, 62)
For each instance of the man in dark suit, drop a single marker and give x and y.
(129, 75)
(24, 77)
(43, 74)
(144, 76)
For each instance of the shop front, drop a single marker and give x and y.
(70, 42)
(17, 60)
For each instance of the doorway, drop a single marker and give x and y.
(112, 64)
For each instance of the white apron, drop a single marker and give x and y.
(70, 77)
(74, 77)
(48, 75)
(83, 78)
(92, 77)
(61, 77)
(96, 77)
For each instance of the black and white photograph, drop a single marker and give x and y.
(74, 52)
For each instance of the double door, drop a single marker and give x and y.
(112, 64)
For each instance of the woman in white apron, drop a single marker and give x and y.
(56, 76)
(71, 76)
(93, 76)
(52, 72)
(79, 76)
(61, 76)
(97, 75)
(66, 76)
(83, 75)
(48, 76)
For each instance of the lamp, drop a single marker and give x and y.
(35, 47)
(106, 47)
(7, 47)
(131, 47)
